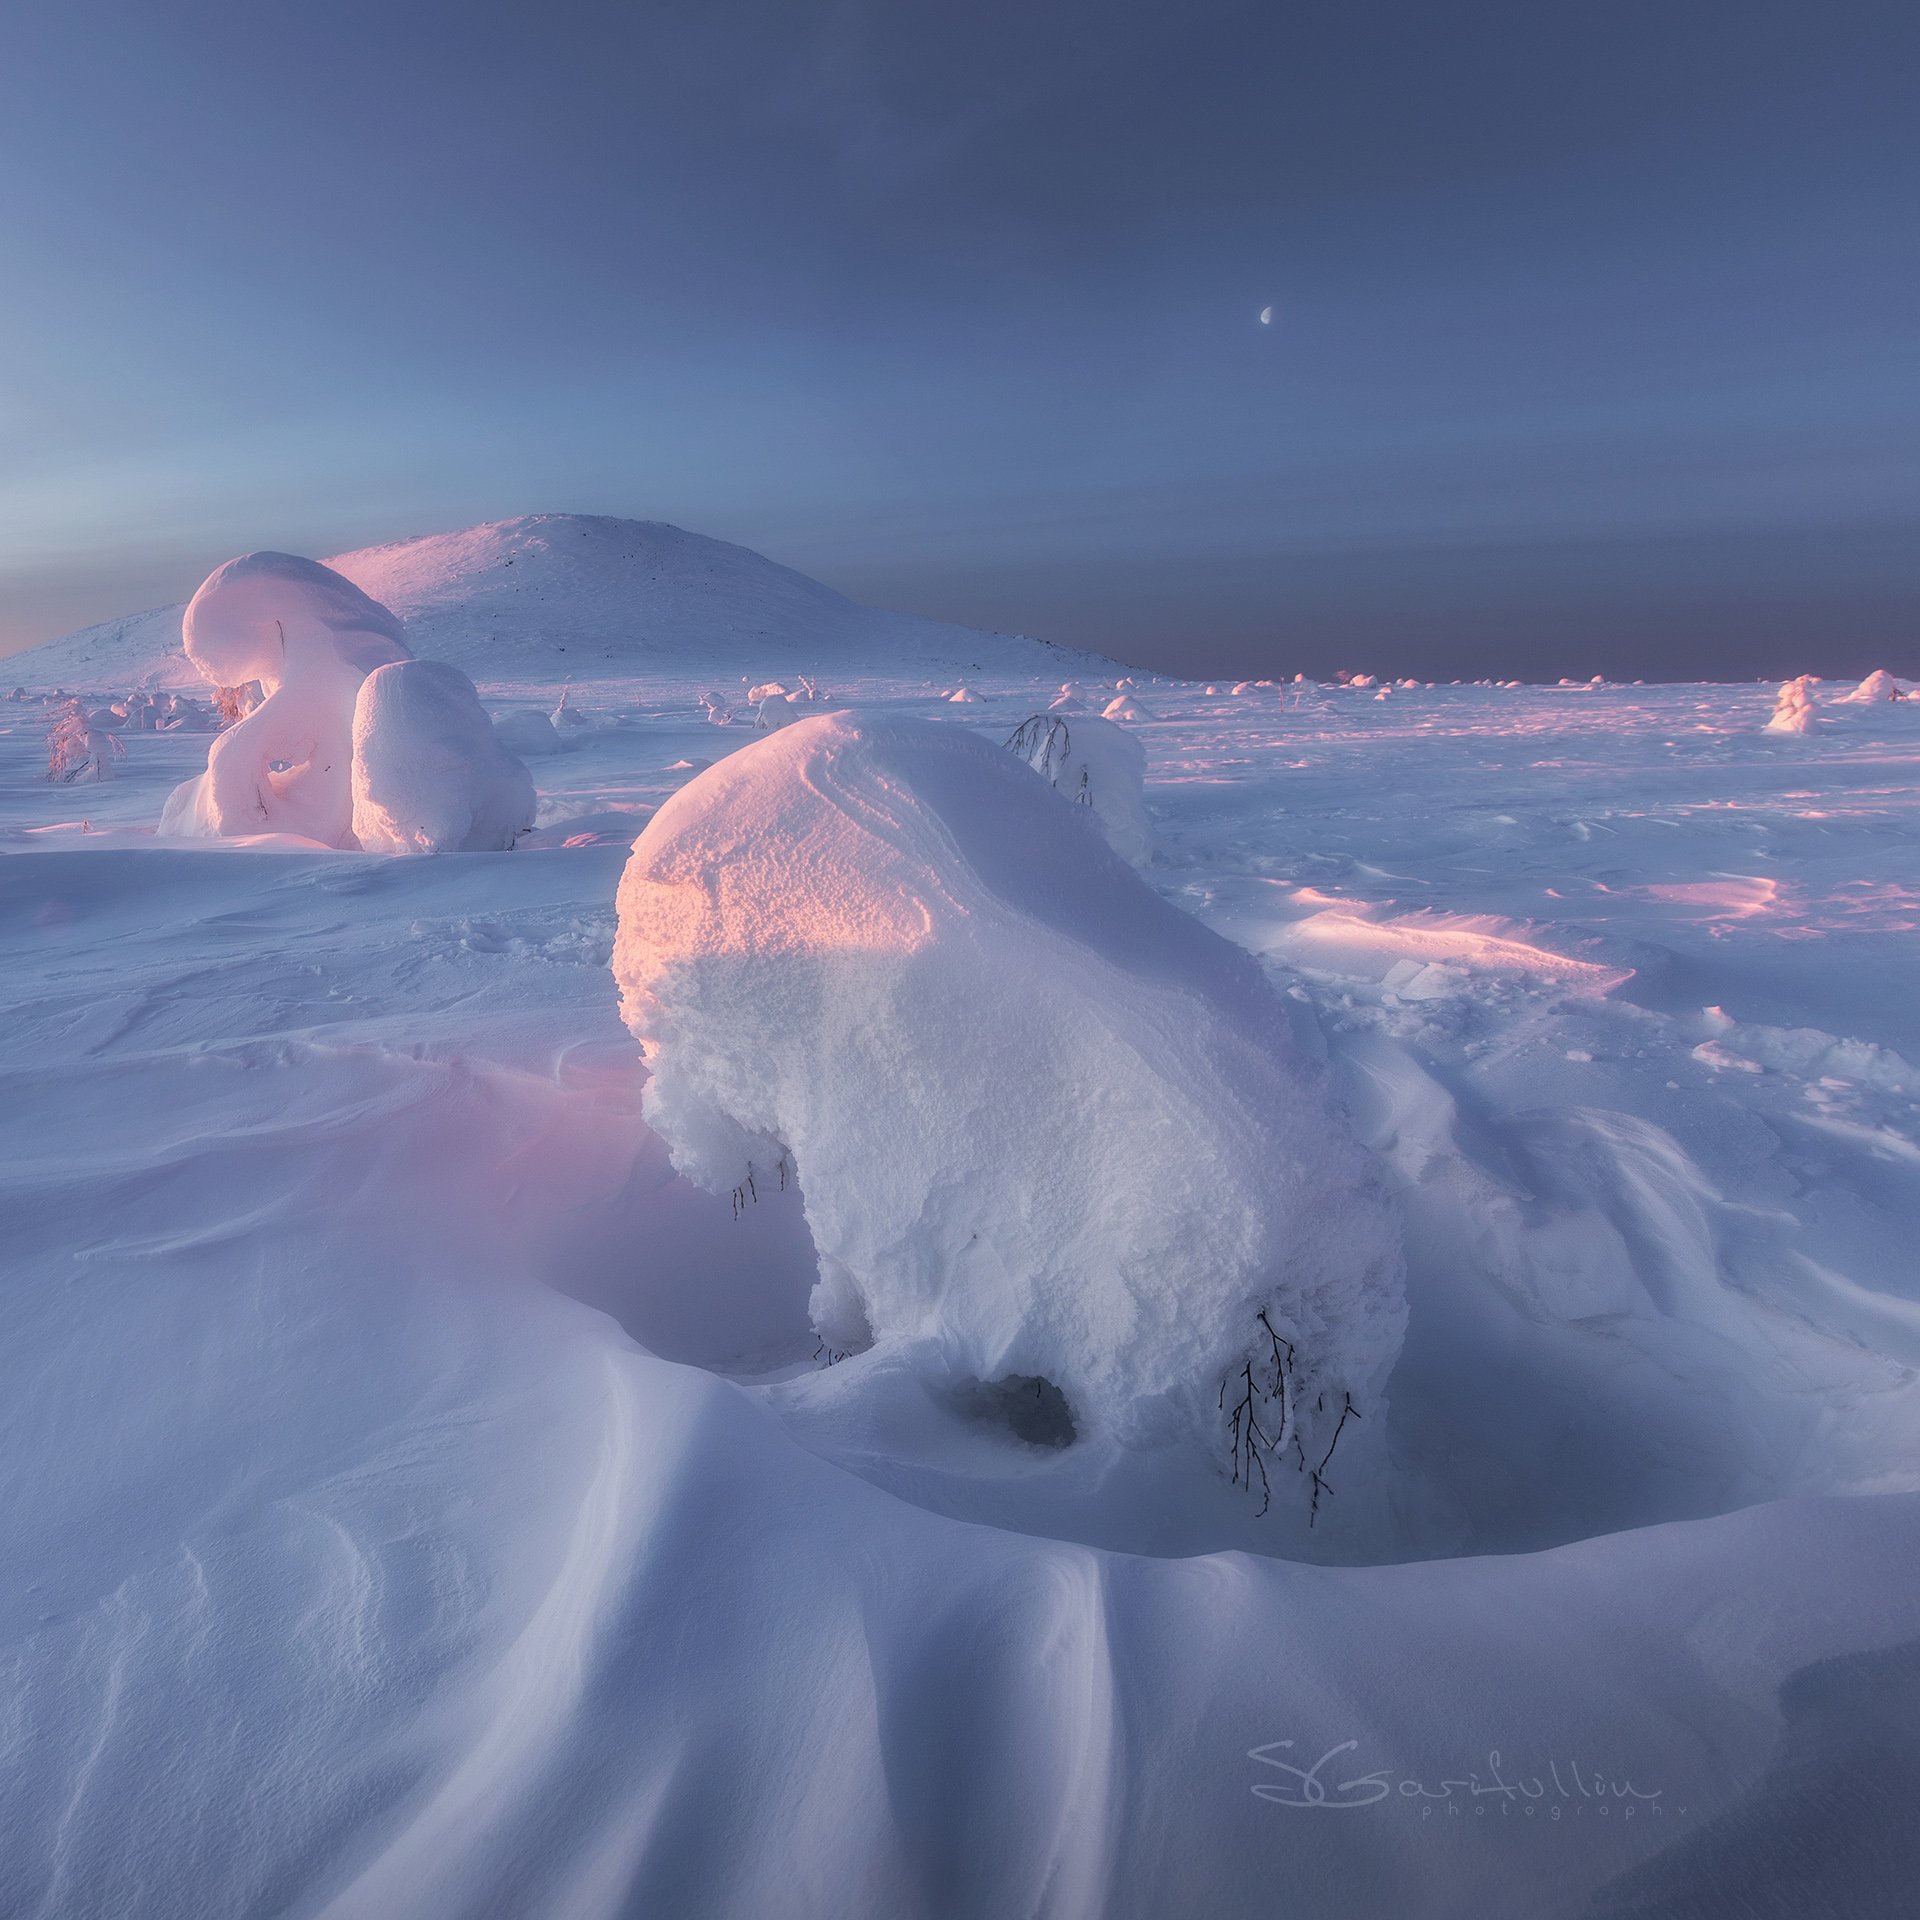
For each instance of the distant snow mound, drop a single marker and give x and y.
(1878, 687)
(585, 596)
(1794, 707)
(1050, 1130)
(429, 773)
(527, 733)
(1097, 765)
(1124, 707)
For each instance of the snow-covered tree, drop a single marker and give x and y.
(77, 750)
(429, 772)
(308, 636)
(1048, 1127)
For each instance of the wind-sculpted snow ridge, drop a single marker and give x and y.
(1053, 1135)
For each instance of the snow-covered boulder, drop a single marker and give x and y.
(1124, 707)
(527, 733)
(1048, 1128)
(774, 712)
(1878, 687)
(429, 772)
(309, 638)
(1793, 707)
(1096, 764)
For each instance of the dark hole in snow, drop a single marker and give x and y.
(1030, 1406)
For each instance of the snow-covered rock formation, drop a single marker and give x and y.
(429, 773)
(1049, 1129)
(308, 637)
(1096, 764)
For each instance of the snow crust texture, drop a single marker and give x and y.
(1047, 1126)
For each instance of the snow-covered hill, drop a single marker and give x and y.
(557, 596)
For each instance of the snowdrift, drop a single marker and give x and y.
(1052, 1134)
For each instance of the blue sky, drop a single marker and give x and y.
(1594, 344)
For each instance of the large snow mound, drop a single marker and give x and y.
(1048, 1128)
(309, 638)
(429, 773)
(584, 596)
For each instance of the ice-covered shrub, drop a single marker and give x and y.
(429, 773)
(1096, 764)
(774, 712)
(1793, 707)
(1046, 1125)
(231, 705)
(1123, 706)
(308, 636)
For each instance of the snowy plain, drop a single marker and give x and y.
(419, 1500)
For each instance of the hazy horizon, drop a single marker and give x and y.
(1590, 342)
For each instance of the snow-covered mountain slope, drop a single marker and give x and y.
(559, 596)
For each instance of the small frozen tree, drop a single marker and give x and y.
(78, 751)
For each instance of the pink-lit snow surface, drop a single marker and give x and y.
(417, 1501)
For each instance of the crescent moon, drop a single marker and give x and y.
(1266, 316)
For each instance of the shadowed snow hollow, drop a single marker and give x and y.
(1049, 1128)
